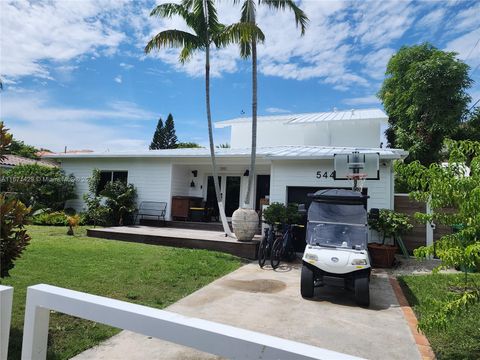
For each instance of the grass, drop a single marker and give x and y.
(156, 276)
(460, 339)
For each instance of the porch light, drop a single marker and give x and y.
(192, 184)
(195, 173)
(246, 173)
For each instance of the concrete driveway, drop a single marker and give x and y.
(269, 301)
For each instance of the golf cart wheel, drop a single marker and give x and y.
(362, 291)
(262, 253)
(307, 282)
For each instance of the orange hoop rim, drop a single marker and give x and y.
(355, 176)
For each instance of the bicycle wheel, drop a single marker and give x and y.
(277, 251)
(262, 253)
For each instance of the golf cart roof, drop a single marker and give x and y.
(339, 196)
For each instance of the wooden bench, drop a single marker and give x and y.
(151, 209)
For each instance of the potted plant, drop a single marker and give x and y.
(389, 224)
(278, 214)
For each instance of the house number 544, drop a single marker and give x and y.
(324, 174)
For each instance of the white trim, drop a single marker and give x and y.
(6, 298)
(223, 340)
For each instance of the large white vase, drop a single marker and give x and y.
(245, 224)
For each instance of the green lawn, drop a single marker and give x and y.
(461, 338)
(150, 275)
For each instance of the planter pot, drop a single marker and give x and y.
(245, 224)
(382, 256)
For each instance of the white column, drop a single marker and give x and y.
(35, 328)
(6, 297)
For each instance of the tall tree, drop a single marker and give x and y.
(201, 17)
(424, 95)
(248, 48)
(158, 141)
(170, 135)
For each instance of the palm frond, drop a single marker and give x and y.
(168, 10)
(248, 11)
(173, 39)
(301, 18)
(238, 33)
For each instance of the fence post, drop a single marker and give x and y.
(6, 297)
(35, 329)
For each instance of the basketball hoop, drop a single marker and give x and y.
(358, 180)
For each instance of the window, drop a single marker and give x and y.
(107, 176)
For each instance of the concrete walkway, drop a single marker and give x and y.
(269, 301)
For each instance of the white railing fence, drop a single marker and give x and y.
(207, 336)
(6, 298)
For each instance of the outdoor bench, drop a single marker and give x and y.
(151, 209)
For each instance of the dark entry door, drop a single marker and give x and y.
(232, 194)
(263, 189)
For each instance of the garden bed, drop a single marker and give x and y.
(155, 276)
(460, 339)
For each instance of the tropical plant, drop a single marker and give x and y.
(40, 186)
(206, 30)
(13, 217)
(120, 198)
(248, 48)
(73, 221)
(19, 148)
(50, 218)
(424, 95)
(224, 146)
(390, 224)
(188, 145)
(453, 195)
(96, 213)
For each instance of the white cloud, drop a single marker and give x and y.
(467, 47)
(126, 66)
(365, 100)
(118, 79)
(433, 19)
(276, 110)
(375, 63)
(55, 31)
(32, 118)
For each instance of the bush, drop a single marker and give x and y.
(56, 218)
(278, 213)
(390, 224)
(40, 186)
(120, 199)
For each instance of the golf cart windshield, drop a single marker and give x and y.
(337, 225)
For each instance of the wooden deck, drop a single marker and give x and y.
(177, 237)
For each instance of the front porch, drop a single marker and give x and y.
(179, 237)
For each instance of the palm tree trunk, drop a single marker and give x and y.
(253, 154)
(221, 209)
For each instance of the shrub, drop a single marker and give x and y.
(97, 213)
(73, 221)
(120, 199)
(278, 213)
(56, 218)
(40, 186)
(390, 224)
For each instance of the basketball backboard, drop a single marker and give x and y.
(346, 164)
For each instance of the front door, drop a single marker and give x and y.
(230, 190)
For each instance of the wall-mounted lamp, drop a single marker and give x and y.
(195, 173)
(246, 173)
(192, 184)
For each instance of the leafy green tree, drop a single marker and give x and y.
(170, 135)
(188, 145)
(205, 31)
(424, 95)
(18, 147)
(158, 140)
(455, 188)
(470, 129)
(248, 48)
(13, 213)
(40, 186)
(121, 200)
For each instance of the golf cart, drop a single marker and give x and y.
(337, 231)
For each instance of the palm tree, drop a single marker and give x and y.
(201, 17)
(249, 48)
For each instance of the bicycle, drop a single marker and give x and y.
(266, 245)
(283, 247)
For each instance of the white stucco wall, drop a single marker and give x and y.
(151, 177)
(276, 133)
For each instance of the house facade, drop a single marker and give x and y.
(295, 156)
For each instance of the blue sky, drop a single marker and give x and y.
(75, 74)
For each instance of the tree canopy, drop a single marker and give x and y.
(164, 136)
(424, 95)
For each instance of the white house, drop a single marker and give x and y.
(295, 156)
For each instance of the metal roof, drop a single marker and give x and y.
(310, 118)
(273, 153)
